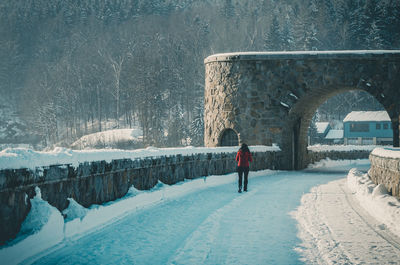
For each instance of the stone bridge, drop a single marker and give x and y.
(271, 97)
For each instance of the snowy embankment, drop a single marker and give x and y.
(376, 200)
(15, 158)
(45, 227)
(340, 148)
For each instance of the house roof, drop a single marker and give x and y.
(334, 134)
(367, 116)
(321, 126)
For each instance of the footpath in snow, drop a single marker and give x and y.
(202, 221)
(349, 221)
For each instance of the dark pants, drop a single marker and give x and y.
(242, 170)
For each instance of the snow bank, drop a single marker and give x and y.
(391, 152)
(109, 138)
(26, 158)
(42, 229)
(344, 164)
(375, 200)
(340, 148)
(45, 226)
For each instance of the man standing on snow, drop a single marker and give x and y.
(243, 157)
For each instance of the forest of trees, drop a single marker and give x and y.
(68, 66)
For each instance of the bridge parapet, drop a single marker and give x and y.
(337, 155)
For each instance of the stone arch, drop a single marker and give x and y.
(229, 137)
(271, 97)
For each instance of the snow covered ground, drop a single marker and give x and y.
(27, 158)
(110, 139)
(205, 221)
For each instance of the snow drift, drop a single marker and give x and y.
(375, 199)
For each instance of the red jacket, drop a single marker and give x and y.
(243, 158)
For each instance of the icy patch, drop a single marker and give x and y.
(42, 228)
(376, 200)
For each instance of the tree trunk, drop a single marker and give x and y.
(395, 128)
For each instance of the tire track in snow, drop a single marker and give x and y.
(197, 247)
(316, 242)
(370, 221)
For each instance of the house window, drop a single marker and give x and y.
(229, 138)
(352, 141)
(359, 127)
(367, 141)
(378, 126)
(385, 126)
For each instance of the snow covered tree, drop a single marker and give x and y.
(374, 39)
(126, 63)
(287, 34)
(274, 38)
(197, 126)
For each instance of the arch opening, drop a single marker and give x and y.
(229, 138)
(327, 124)
(362, 132)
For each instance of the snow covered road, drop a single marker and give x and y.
(208, 226)
(335, 229)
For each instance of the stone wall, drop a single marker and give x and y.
(100, 182)
(337, 155)
(386, 171)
